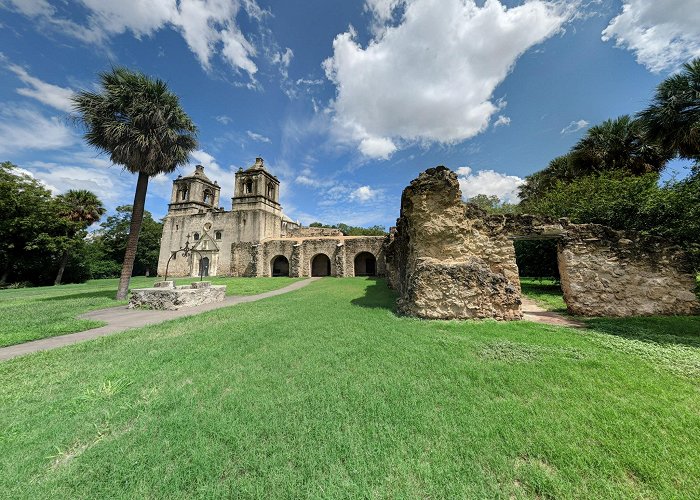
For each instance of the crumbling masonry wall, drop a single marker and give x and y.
(451, 260)
(621, 273)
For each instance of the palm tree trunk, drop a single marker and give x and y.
(133, 240)
(61, 267)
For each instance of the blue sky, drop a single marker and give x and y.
(347, 101)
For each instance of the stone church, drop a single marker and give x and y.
(254, 238)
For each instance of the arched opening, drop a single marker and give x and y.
(271, 191)
(208, 197)
(280, 266)
(204, 266)
(321, 265)
(365, 264)
(249, 187)
(195, 236)
(217, 235)
(184, 194)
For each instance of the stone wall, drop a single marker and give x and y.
(448, 260)
(165, 296)
(451, 260)
(621, 273)
(312, 232)
(255, 259)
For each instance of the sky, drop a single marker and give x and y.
(346, 100)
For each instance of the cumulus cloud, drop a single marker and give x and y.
(257, 137)
(662, 35)
(363, 194)
(208, 26)
(489, 182)
(46, 93)
(26, 129)
(430, 77)
(574, 126)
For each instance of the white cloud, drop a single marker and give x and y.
(501, 121)
(257, 137)
(208, 26)
(662, 34)
(489, 182)
(574, 126)
(25, 129)
(431, 77)
(364, 194)
(47, 93)
(223, 119)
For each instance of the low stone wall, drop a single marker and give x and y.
(621, 273)
(165, 296)
(312, 232)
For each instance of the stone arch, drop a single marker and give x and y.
(320, 265)
(365, 264)
(279, 266)
(208, 196)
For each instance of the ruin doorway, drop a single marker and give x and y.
(280, 266)
(321, 265)
(204, 266)
(538, 271)
(365, 264)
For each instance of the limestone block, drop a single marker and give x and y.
(162, 298)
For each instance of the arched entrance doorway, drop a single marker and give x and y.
(365, 264)
(280, 266)
(204, 266)
(321, 265)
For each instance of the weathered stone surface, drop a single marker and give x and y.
(621, 273)
(173, 298)
(450, 260)
(447, 259)
(460, 290)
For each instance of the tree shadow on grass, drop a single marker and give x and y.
(377, 296)
(661, 330)
(85, 295)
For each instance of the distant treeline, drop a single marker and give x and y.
(348, 230)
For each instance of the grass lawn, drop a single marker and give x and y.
(36, 313)
(546, 292)
(324, 392)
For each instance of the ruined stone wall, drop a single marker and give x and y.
(449, 260)
(371, 244)
(617, 273)
(311, 232)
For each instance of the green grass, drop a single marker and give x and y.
(35, 313)
(325, 392)
(546, 292)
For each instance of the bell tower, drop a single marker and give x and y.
(256, 189)
(194, 193)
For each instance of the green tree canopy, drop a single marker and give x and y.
(673, 118)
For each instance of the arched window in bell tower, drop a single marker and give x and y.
(184, 194)
(271, 191)
(248, 186)
(208, 198)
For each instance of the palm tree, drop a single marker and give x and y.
(673, 118)
(140, 124)
(620, 144)
(79, 208)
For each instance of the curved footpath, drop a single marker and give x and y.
(120, 318)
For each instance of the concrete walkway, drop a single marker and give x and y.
(533, 312)
(120, 318)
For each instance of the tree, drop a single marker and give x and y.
(79, 209)
(109, 244)
(141, 125)
(28, 223)
(673, 118)
(619, 144)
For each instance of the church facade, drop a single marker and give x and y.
(254, 238)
